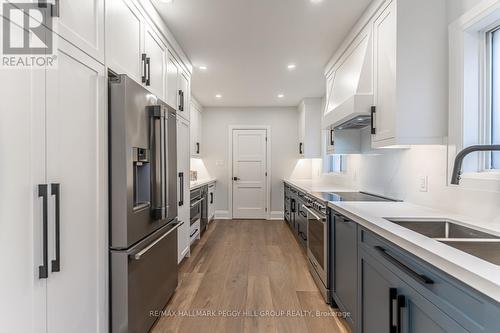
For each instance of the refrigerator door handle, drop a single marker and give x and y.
(158, 165)
(138, 255)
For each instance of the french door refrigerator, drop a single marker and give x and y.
(143, 205)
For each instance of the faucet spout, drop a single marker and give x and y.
(457, 167)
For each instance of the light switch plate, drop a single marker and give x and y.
(423, 183)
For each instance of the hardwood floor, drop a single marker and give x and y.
(248, 267)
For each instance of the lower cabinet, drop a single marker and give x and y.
(346, 267)
(390, 305)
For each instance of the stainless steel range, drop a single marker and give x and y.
(320, 235)
(143, 205)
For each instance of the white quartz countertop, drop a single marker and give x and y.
(475, 272)
(199, 183)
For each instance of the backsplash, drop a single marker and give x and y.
(397, 173)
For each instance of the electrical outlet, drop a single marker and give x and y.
(423, 183)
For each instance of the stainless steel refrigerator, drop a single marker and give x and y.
(143, 205)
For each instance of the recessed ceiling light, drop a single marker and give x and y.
(291, 66)
(281, 95)
(166, 1)
(316, 1)
(203, 67)
(218, 96)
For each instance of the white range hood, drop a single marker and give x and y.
(350, 86)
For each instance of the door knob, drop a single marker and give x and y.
(236, 179)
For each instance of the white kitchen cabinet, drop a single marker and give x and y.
(211, 202)
(196, 128)
(309, 143)
(58, 122)
(172, 82)
(156, 55)
(178, 88)
(183, 193)
(124, 31)
(183, 94)
(410, 73)
(82, 24)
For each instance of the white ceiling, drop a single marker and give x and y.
(247, 45)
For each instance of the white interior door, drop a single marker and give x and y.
(76, 295)
(249, 174)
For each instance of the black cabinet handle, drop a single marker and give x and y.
(372, 119)
(194, 233)
(419, 277)
(401, 306)
(54, 9)
(181, 100)
(55, 191)
(332, 137)
(236, 179)
(181, 181)
(144, 67)
(43, 269)
(300, 148)
(197, 147)
(293, 206)
(148, 64)
(42, 3)
(211, 198)
(393, 308)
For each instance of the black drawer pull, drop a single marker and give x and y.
(419, 277)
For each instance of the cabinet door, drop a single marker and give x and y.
(183, 167)
(195, 143)
(172, 82)
(346, 266)
(124, 37)
(156, 51)
(76, 160)
(385, 73)
(302, 130)
(183, 95)
(22, 145)
(82, 24)
(377, 295)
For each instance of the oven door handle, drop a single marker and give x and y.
(138, 255)
(313, 214)
(197, 202)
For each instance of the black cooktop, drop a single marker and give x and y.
(349, 196)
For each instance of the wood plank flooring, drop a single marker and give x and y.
(253, 270)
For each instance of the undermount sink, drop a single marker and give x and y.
(477, 243)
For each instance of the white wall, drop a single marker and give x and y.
(285, 162)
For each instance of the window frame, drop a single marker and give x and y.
(487, 110)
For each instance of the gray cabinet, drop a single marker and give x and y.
(425, 299)
(390, 305)
(346, 266)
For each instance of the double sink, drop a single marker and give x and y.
(477, 243)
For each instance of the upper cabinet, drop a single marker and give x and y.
(196, 133)
(82, 24)
(155, 53)
(137, 48)
(392, 76)
(124, 38)
(309, 144)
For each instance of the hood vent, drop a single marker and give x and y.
(350, 86)
(358, 122)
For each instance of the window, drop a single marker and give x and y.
(335, 163)
(494, 117)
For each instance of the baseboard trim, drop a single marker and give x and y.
(276, 215)
(222, 215)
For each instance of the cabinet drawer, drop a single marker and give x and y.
(468, 307)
